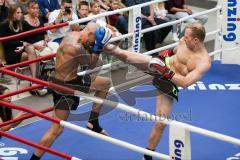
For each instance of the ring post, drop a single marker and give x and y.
(218, 37)
(135, 27)
(179, 143)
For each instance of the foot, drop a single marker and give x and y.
(97, 129)
(148, 158)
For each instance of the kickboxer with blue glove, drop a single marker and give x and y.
(77, 49)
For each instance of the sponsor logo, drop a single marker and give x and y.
(231, 21)
(179, 145)
(10, 153)
(213, 86)
(137, 34)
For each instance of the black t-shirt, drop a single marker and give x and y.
(6, 31)
(35, 37)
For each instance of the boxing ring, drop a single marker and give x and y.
(210, 103)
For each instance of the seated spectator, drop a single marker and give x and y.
(103, 4)
(3, 11)
(6, 113)
(161, 13)
(114, 5)
(83, 12)
(96, 9)
(17, 50)
(149, 20)
(46, 7)
(23, 4)
(179, 10)
(64, 14)
(40, 40)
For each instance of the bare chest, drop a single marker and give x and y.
(183, 61)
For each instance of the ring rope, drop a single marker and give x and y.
(8, 135)
(87, 131)
(12, 121)
(125, 108)
(12, 93)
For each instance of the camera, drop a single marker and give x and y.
(68, 10)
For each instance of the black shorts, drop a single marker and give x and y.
(67, 102)
(166, 86)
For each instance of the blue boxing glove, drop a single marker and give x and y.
(102, 36)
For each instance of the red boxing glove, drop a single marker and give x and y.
(166, 53)
(159, 66)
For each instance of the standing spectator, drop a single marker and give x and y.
(6, 113)
(64, 14)
(46, 7)
(179, 10)
(3, 10)
(149, 20)
(83, 12)
(40, 40)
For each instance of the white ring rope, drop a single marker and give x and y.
(114, 141)
(143, 114)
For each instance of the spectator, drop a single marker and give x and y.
(16, 50)
(83, 12)
(3, 10)
(64, 14)
(96, 9)
(40, 40)
(162, 13)
(23, 4)
(6, 113)
(46, 7)
(103, 4)
(149, 20)
(114, 5)
(179, 10)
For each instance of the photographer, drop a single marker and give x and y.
(64, 14)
